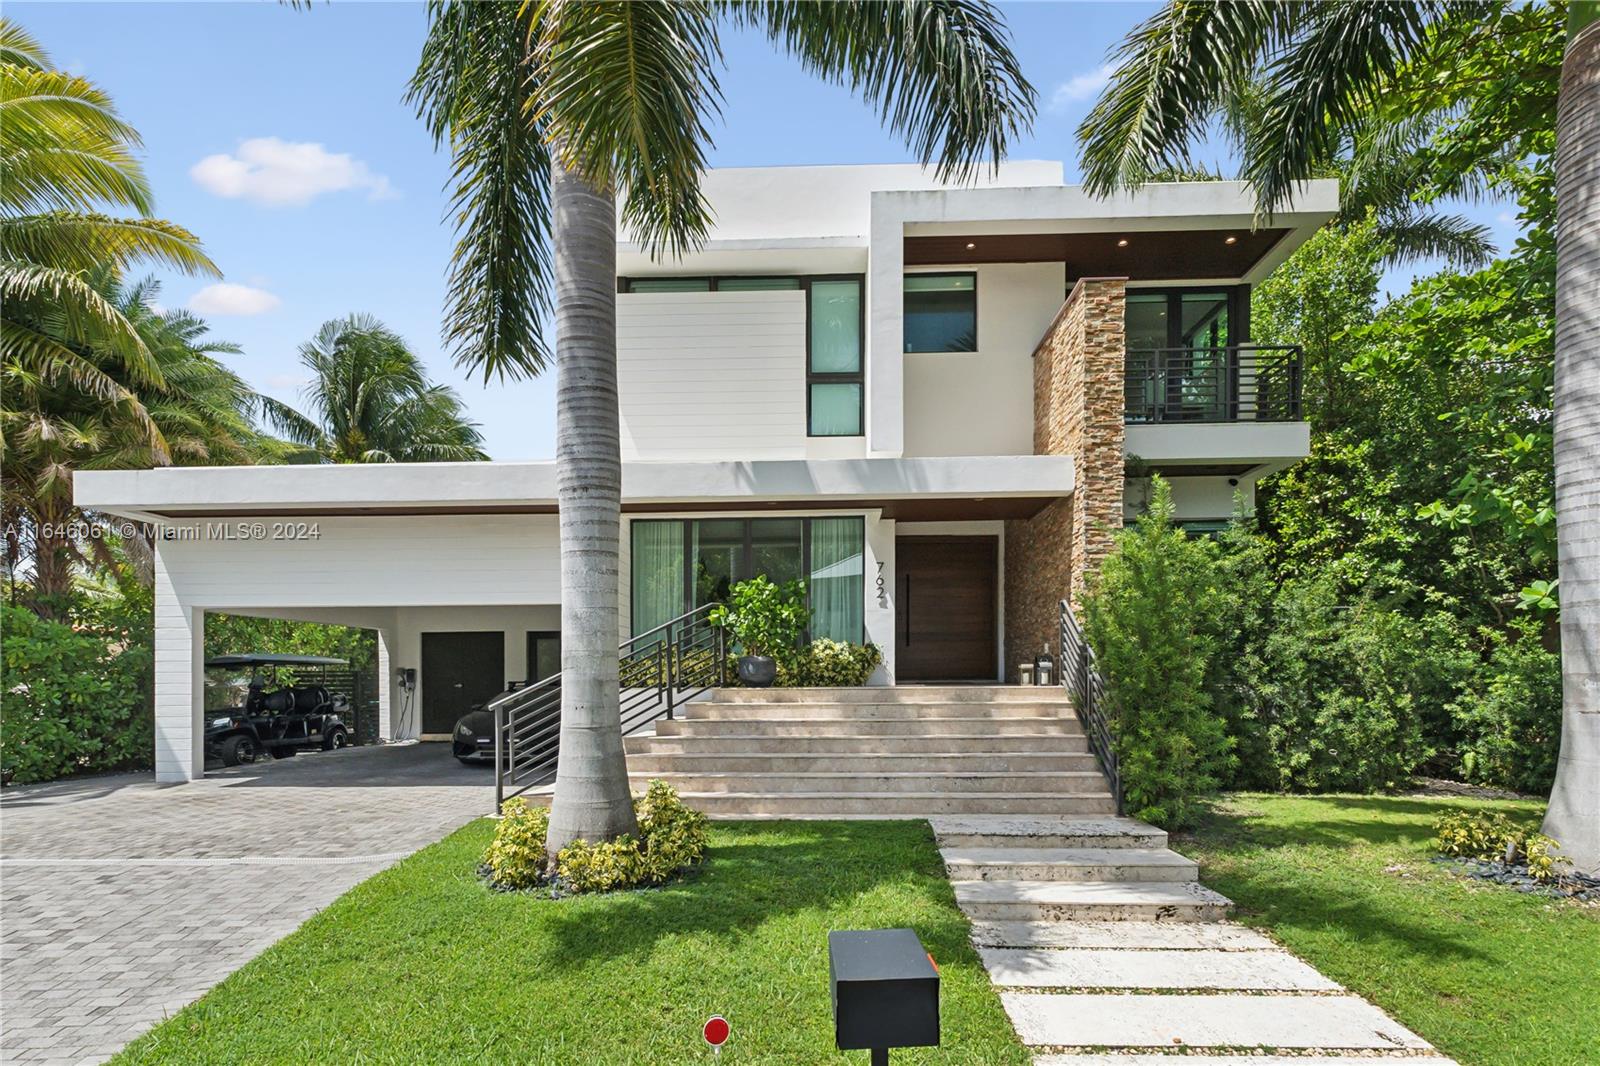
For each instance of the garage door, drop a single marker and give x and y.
(458, 671)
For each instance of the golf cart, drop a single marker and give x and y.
(265, 715)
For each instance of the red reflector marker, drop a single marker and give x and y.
(716, 1031)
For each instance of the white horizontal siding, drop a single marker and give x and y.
(400, 560)
(712, 375)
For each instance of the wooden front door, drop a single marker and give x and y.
(458, 671)
(945, 608)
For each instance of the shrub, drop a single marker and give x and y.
(1495, 838)
(829, 663)
(1509, 717)
(516, 857)
(672, 837)
(763, 618)
(1149, 616)
(76, 698)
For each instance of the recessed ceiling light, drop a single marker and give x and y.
(970, 246)
(1123, 243)
(1230, 239)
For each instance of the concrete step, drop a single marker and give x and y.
(1064, 781)
(1065, 901)
(1047, 832)
(948, 744)
(1128, 935)
(864, 727)
(857, 710)
(1096, 968)
(892, 804)
(1201, 1059)
(892, 694)
(1230, 1021)
(741, 762)
(1068, 864)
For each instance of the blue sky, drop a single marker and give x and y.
(281, 139)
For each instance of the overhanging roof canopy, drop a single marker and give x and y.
(969, 486)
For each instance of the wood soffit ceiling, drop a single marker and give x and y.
(1148, 256)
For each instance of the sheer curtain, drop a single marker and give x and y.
(837, 578)
(657, 573)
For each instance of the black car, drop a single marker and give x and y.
(472, 740)
(281, 720)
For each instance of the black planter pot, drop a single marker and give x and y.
(757, 671)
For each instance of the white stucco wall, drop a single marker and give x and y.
(712, 375)
(981, 403)
(1192, 497)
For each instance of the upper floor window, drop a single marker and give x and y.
(835, 379)
(1191, 319)
(941, 312)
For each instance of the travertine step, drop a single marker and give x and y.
(739, 762)
(773, 726)
(1047, 832)
(892, 694)
(1067, 864)
(858, 710)
(1067, 781)
(1095, 968)
(1128, 935)
(1230, 1021)
(1058, 901)
(1223, 1058)
(951, 744)
(893, 804)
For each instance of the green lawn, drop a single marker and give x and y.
(423, 964)
(1490, 976)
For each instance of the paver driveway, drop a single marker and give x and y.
(121, 901)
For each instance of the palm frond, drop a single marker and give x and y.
(19, 48)
(87, 317)
(1326, 80)
(941, 73)
(45, 109)
(1416, 233)
(471, 89)
(75, 241)
(629, 91)
(1172, 75)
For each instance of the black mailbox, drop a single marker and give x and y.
(885, 991)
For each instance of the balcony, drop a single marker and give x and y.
(1232, 383)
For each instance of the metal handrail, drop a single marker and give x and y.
(657, 671)
(1213, 383)
(1080, 676)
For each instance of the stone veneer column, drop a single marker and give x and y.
(1078, 397)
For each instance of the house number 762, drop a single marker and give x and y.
(883, 588)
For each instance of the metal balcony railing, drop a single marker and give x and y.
(1231, 383)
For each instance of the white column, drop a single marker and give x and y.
(386, 685)
(180, 694)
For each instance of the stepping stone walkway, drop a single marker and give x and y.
(1108, 951)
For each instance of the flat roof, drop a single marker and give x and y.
(925, 488)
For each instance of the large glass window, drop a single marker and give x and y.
(941, 312)
(1179, 367)
(669, 285)
(835, 389)
(658, 585)
(703, 558)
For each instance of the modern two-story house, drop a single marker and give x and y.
(927, 401)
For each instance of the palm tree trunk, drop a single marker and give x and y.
(1574, 815)
(591, 797)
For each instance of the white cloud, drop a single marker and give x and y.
(1080, 87)
(228, 299)
(281, 173)
(287, 382)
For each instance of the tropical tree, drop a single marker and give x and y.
(65, 341)
(556, 112)
(1338, 72)
(371, 402)
(189, 409)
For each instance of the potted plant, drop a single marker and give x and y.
(765, 621)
